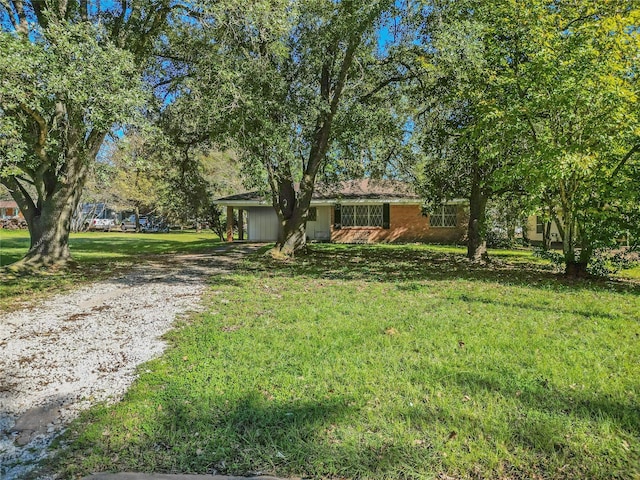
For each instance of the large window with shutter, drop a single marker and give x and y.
(362, 215)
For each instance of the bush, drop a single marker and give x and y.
(603, 263)
(556, 258)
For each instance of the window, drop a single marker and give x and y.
(444, 216)
(313, 214)
(362, 215)
(539, 224)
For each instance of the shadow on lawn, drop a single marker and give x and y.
(407, 263)
(102, 248)
(554, 309)
(248, 435)
(539, 395)
(542, 419)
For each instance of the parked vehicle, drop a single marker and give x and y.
(129, 224)
(93, 216)
(101, 224)
(147, 224)
(159, 227)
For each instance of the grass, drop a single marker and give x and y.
(385, 362)
(630, 273)
(96, 255)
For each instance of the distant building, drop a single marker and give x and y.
(9, 209)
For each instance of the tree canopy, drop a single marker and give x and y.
(283, 75)
(539, 98)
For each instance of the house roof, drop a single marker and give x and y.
(366, 189)
(8, 204)
(393, 191)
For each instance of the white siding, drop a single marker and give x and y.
(321, 228)
(537, 237)
(262, 224)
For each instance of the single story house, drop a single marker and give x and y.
(9, 209)
(356, 211)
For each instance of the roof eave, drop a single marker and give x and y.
(334, 201)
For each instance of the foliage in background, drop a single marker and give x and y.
(151, 175)
(581, 84)
(537, 99)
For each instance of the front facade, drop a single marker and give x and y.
(406, 223)
(363, 211)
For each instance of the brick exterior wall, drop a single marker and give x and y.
(407, 224)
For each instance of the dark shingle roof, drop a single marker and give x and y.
(365, 189)
(248, 196)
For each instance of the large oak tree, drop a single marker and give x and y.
(70, 70)
(284, 73)
(469, 128)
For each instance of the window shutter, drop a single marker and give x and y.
(337, 217)
(385, 216)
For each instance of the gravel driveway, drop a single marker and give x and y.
(83, 347)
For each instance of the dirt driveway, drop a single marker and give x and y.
(80, 348)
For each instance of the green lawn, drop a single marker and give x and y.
(96, 255)
(394, 362)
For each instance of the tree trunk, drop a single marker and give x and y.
(576, 269)
(293, 220)
(546, 236)
(476, 241)
(525, 233)
(576, 263)
(58, 190)
(293, 235)
(49, 228)
(511, 234)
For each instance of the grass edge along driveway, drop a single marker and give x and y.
(385, 362)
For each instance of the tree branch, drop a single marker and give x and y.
(354, 41)
(170, 80)
(38, 9)
(62, 8)
(388, 81)
(42, 129)
(84, 10)
(20, 195)
(10, 14)
(94, 142)
(622, 163)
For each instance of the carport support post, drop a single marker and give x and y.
(241, 224)
(229, 224)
